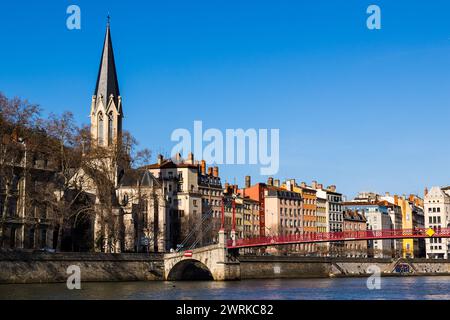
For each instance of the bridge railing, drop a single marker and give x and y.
(339, 236)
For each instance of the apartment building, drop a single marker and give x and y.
(257, 193)
(334, 212)
(283, 214)
(179, 181)
(412, 218)
(437, 210)
(378, 217)
(355, 222)
(211, 190)
(322, 220)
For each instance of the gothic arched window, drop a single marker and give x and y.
(110, 128)
(100, 129)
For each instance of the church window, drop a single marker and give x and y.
(100, 128)
(110, 128)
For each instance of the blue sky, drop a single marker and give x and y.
(365, 110)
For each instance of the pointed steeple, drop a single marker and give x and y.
(107, 83)
(106, 104)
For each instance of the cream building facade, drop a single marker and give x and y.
(437, 212)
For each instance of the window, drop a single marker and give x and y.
(43, 212)
(43, 238)
(31, 239)
(110, 128)
(100, 128)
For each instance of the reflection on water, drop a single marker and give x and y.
(344, 288)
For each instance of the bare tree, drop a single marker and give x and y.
(65, 147)
(19, 120)
(83, 180)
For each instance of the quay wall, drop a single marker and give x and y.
(274, 267)
(21, 267)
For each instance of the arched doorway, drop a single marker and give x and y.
(189, 269)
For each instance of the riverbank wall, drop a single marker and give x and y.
(21, 267)
(279, 267)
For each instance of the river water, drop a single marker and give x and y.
(434, 287)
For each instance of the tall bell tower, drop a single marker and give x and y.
(106, 107)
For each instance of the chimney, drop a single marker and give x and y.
(387, 194)
(277, 182)
(227, 185)
(293, 183)
(190, 158)
(270, 181)
(210, 171)
(303, 184)
(332, 188)
(289, 185)
(396, 200)
(248, 181)
(235, 188)
(216, 172)
(203, 167)
(160, 159)
(314, 184)
(425, 192)
(320, 186)
(178, 158)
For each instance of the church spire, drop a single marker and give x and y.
(107, 83)
(106, 107)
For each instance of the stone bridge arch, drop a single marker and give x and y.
(189, 269)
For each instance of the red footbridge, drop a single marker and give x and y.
(339, 236)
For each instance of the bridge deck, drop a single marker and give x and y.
(340, 236)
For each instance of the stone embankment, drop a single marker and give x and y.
(21, 267)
